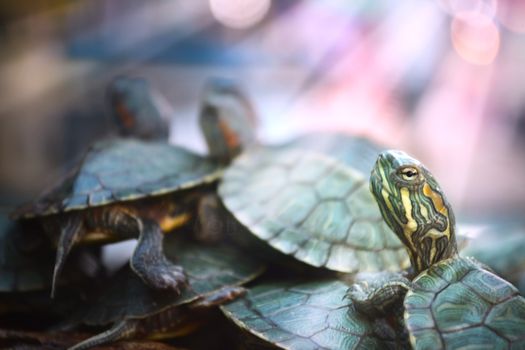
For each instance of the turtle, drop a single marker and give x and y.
(307, 314)
(446, 301)
(309, 208)
(502, 253)
(215, 275)
(131, 188)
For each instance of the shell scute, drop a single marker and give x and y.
(470, 307)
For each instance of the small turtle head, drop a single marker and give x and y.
(137, 109)
(414, 207)
(227, 119)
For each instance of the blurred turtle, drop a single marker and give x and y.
(128, 188)
(452, 302)
(107, 198)
(215, 274)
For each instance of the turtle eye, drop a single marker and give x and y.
(409, 173)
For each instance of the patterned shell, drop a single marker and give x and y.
(208, 268)
(311, 207)
(305, 315)
(26, 257)
(357, 152)
(456, 304)
(122, 170)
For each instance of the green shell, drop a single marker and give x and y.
(305, 315)
(357, 152)
(208, 268)
(311, 207)
(501, 248)
(123, 170)
(26, 257)
(456, 303)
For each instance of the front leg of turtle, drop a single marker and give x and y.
(149, 262)
(380, 297)
(379, 294)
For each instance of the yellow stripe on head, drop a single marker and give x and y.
(411, 225)
(436, 198)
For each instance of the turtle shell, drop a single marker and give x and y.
(306, 315)
(123, 170)
(355, 151)
(208, 268)
(26, 257)
(312, 207)
(456, 304)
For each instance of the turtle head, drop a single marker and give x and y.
(414, 207)
(137, 109)
(227, 119)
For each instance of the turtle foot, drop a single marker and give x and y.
(150, 264)
(377, 294)
(165, 276)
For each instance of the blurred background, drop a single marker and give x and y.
(443, 80)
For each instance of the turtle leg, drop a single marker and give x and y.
(70, 231)
(378, 296)
(148, 260)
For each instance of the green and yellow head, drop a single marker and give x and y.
(414, 207)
